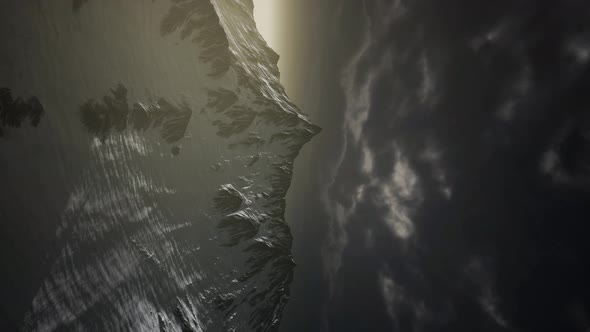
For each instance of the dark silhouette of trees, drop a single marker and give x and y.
(113, 114)
(15, 111)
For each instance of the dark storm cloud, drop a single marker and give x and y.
(466, 164)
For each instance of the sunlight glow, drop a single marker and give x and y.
(264, 14)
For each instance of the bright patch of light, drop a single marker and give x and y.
(264, 15)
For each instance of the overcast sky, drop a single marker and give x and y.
(448, 188)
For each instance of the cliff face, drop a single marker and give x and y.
(176, 145)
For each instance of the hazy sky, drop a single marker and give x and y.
(284, 24)
(275, 21)
(264, 14)
(315, 40)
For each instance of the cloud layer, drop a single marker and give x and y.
(457, 201)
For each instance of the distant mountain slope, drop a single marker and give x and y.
(179, 142)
